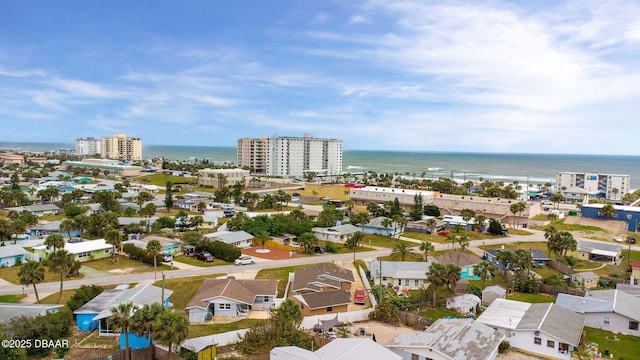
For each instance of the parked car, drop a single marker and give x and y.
(204, 256)
(245, 260)
(618, 239)
(319, 250)
(295, 194)
(229, 213)
(295, 199)
(631, 239)
(546, 202)
(359, 297)
(167, 257)
(444, 233)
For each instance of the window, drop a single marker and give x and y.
(537, 341)
(415, 357)
(607, 321)
(416, 282)
(551, 343)
(633, 325)
(224, 306)
(329, 308)
(265, 299)
(406, 282)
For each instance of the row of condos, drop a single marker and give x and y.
(608, 186)
(117, 147)
(290, 156)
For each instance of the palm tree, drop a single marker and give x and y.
(31, 273)
(505, 258)
(452, 275)
(463, 241)
(431, 224)
(67, 225)
(436, 278)
(484, 269)
(386, 222)
(480, 222)
(113, 238)
(426, 247)
(81, 222)
(522, 261)
(550, 233)
(401, 250)
(61, 263)
(153, 249)
(55, 241)
(121, 319)
(608, 211)
(262, 237)
(171, 328)
(143, 321)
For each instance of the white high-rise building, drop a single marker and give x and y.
(610, 186)
(88, 146)
(290, 156)
(121, 147)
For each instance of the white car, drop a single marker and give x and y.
(618, 239)
(295, 199)
(245, 260)
(546, 202)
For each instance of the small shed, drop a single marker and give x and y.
(490, 293)
(464, 304)
(587, 279)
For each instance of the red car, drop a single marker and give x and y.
(360, 297)
(444, 233)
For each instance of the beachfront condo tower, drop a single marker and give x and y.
(608, 186)
(120, 147)
(87, 147)
(291, 157)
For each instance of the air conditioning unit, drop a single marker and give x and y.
(537, 333)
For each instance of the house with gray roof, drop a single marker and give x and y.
(37, 210)
(337, 349)
(454, 339)
(630, 289)
(231, 298)
(598, 251)
(326, 302)
(611, 310)
(95, 314)
(402, 276)
(9, 311)
(241, 239)
(374, 226)
(545, 329)
(490, 293)
(538, 257)
(47, 228)
(585, 279)
(337, 234)
(10, 254)
(321, 277)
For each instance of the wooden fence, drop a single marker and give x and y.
(563, 268)
(555, 290)
(414, 320)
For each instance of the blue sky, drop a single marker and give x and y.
(479, 76)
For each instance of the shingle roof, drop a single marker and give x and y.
(458, 339)
(355, 349)
(243, 291)
(401, 269)
(9, 311)
(11, 251)
(496, 289)
(39, 207)
(323, 273)
(459, 258)
(318, 300)
(589, 246)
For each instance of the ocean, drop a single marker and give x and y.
(524, 168)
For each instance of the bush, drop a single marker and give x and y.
(220, 250)
(82, 296)
(330, 247)
(386, 312)
(504, 347)
(494, 227)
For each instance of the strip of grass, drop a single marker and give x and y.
(627, 346)
(195, 262)
(52, 299)
(542, 246)
(210, 329)
(184, 289)
(440, 312)
(383, 241)
(12, 298)
(161, 179)
(123, 263)
(532, 298)
(11, 275)
(281, 274)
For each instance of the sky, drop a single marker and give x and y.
(464, 76)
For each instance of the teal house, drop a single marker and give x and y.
(463, 260)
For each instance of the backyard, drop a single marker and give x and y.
(184, 289)
(618, 346)
(281, 274)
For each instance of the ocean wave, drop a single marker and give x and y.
(356, 167)
(434, 169)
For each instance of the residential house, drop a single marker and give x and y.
(168, 245)
(538, 257)
(186, 205)
(402, 276)
(123, 222)
(545, 329)
(210, 219)
(451, 221)
(464, 304)
(47, 228)
(9, 311)
(337, 234)
(374, 226)
(490, 293)
(12, 254)
(611, 310)
(83, 251)
(231, 298)
(463, 260)
(598, 251)
(321, 277)
(631, 289)
(325, 302)
(449, 339)
(337, 349)
(37, 210)
(95, 314)
(587, 279)
(241, 239)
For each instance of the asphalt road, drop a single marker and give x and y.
(51, 287)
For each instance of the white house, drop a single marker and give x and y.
(402, 276)
(241, 239)
(337, 234)
(611, 310)
(545, 329)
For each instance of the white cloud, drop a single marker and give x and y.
(360, 19)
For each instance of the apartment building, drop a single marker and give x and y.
(88, 146)
(290, 156)
(609, 186)
(120, 147)
(218, 178)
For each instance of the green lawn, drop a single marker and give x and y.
(471, 235)
(195, 262)
(12, 298)
(66, 295)
(532, 298)
(184, 289)
(124, 264)
(627, 346)
(281, 274)
(542, 246)
(383, 241)
(440, 312)
(11, 275)
(196, 330)
(161, 179)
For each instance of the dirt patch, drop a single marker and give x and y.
(273, 254)
(121, 271)
(610, 228)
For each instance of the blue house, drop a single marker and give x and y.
(95, 314)
(463, 260)
(375, 227)
(44, 230)
(10, 254)
(630, 214)
(538, 257)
